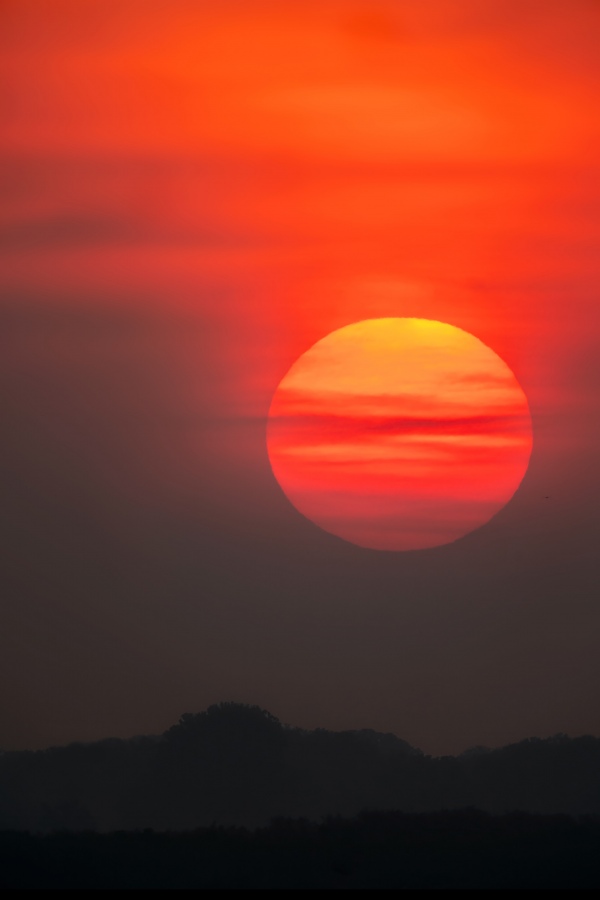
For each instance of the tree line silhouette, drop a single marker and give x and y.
(457, 849)
(237, 765)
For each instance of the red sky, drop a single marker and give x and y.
(242, 178)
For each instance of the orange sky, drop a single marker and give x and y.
(309, 164)
(321, 162)
(195, 192)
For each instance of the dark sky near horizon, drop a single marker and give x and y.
(192, 194)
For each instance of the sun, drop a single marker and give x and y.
(399, 434)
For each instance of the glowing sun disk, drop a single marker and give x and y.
(399, 434)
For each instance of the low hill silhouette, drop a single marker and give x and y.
(237, 765)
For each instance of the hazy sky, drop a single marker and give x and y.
(195, 192)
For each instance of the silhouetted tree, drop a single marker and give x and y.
(236, 764)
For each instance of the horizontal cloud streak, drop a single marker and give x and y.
(351, 426)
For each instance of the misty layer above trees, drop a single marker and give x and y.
(238, 765)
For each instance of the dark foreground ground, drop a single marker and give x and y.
(450, 849)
